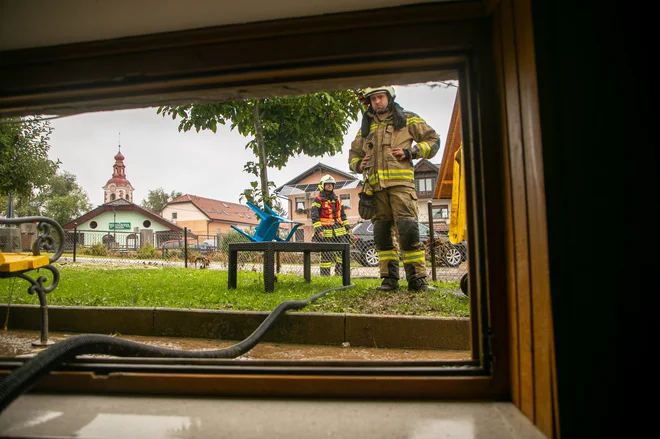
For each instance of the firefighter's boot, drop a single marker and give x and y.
(388, 284)
(420, 284)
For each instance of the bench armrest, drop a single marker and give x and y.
(46, 240)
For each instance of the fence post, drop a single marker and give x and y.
(278, 263)
(185, 247)
(432, 240)
(75, 240)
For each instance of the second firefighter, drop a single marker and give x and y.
(330, 224)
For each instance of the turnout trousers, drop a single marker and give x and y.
(397, 215)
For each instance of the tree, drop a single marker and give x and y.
(24, 163)
(65, 200)
(279, 127)
(157, 199)
(61, 199)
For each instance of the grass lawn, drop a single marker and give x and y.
(82, 285)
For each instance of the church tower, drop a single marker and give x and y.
(118, 186)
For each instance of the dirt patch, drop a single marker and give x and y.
(401, 302)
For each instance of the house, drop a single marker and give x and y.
(208, 217)
(301, 190)
(426, 176)
(123, 225)
(119, 223)
(559, 110)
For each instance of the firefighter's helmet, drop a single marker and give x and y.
(382, 89)
(325, 180)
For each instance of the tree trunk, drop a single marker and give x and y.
(261, 144)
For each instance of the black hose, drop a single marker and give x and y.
(21, 379)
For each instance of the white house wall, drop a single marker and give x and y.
(135, 219)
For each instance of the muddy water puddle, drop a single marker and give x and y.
(16, 343)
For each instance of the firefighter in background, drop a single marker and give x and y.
(383, 151)
(330, 224)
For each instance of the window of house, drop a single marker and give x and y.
(174, 215)
(146, 224)
(441, 212)
(345, 200)
(300, 203)
(93, 225)
(425, 185)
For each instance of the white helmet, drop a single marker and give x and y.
(325, 180)
(382, 89)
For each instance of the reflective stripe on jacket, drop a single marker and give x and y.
(328, 212)
(383, 169)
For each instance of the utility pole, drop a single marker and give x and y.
(10, 206)
(114, 224)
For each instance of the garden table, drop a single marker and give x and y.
(269, 249)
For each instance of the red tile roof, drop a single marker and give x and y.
(218, 210)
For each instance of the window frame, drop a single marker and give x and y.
(343, 198)
(440, 208)
(441, 44)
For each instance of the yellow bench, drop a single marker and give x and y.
(18, 262)
(14, 264)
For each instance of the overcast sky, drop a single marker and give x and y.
(204, 164)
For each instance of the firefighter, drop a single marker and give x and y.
(383, 151)
(330, 224)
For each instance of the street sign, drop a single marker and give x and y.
(120, 226)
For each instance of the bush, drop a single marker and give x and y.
(229, 237)
(98, 249)
(148, 251)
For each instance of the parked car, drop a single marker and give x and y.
(364, 250)
(171, 245)
(210, 244)
(203, 247)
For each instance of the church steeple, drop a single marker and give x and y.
(118, 186)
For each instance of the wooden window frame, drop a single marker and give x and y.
(307, 55)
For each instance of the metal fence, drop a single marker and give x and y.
(114, 247)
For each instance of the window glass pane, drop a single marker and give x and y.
(217, 217)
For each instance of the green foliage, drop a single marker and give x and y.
(279, 128)
(98, 249)
(157, 199)
(147, 251)
(62, 199)
(229, 237)
(24, 163)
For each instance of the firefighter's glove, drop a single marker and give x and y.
(366, 206)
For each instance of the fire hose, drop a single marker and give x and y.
(24, 377)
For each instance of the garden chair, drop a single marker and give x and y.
(268, 227)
